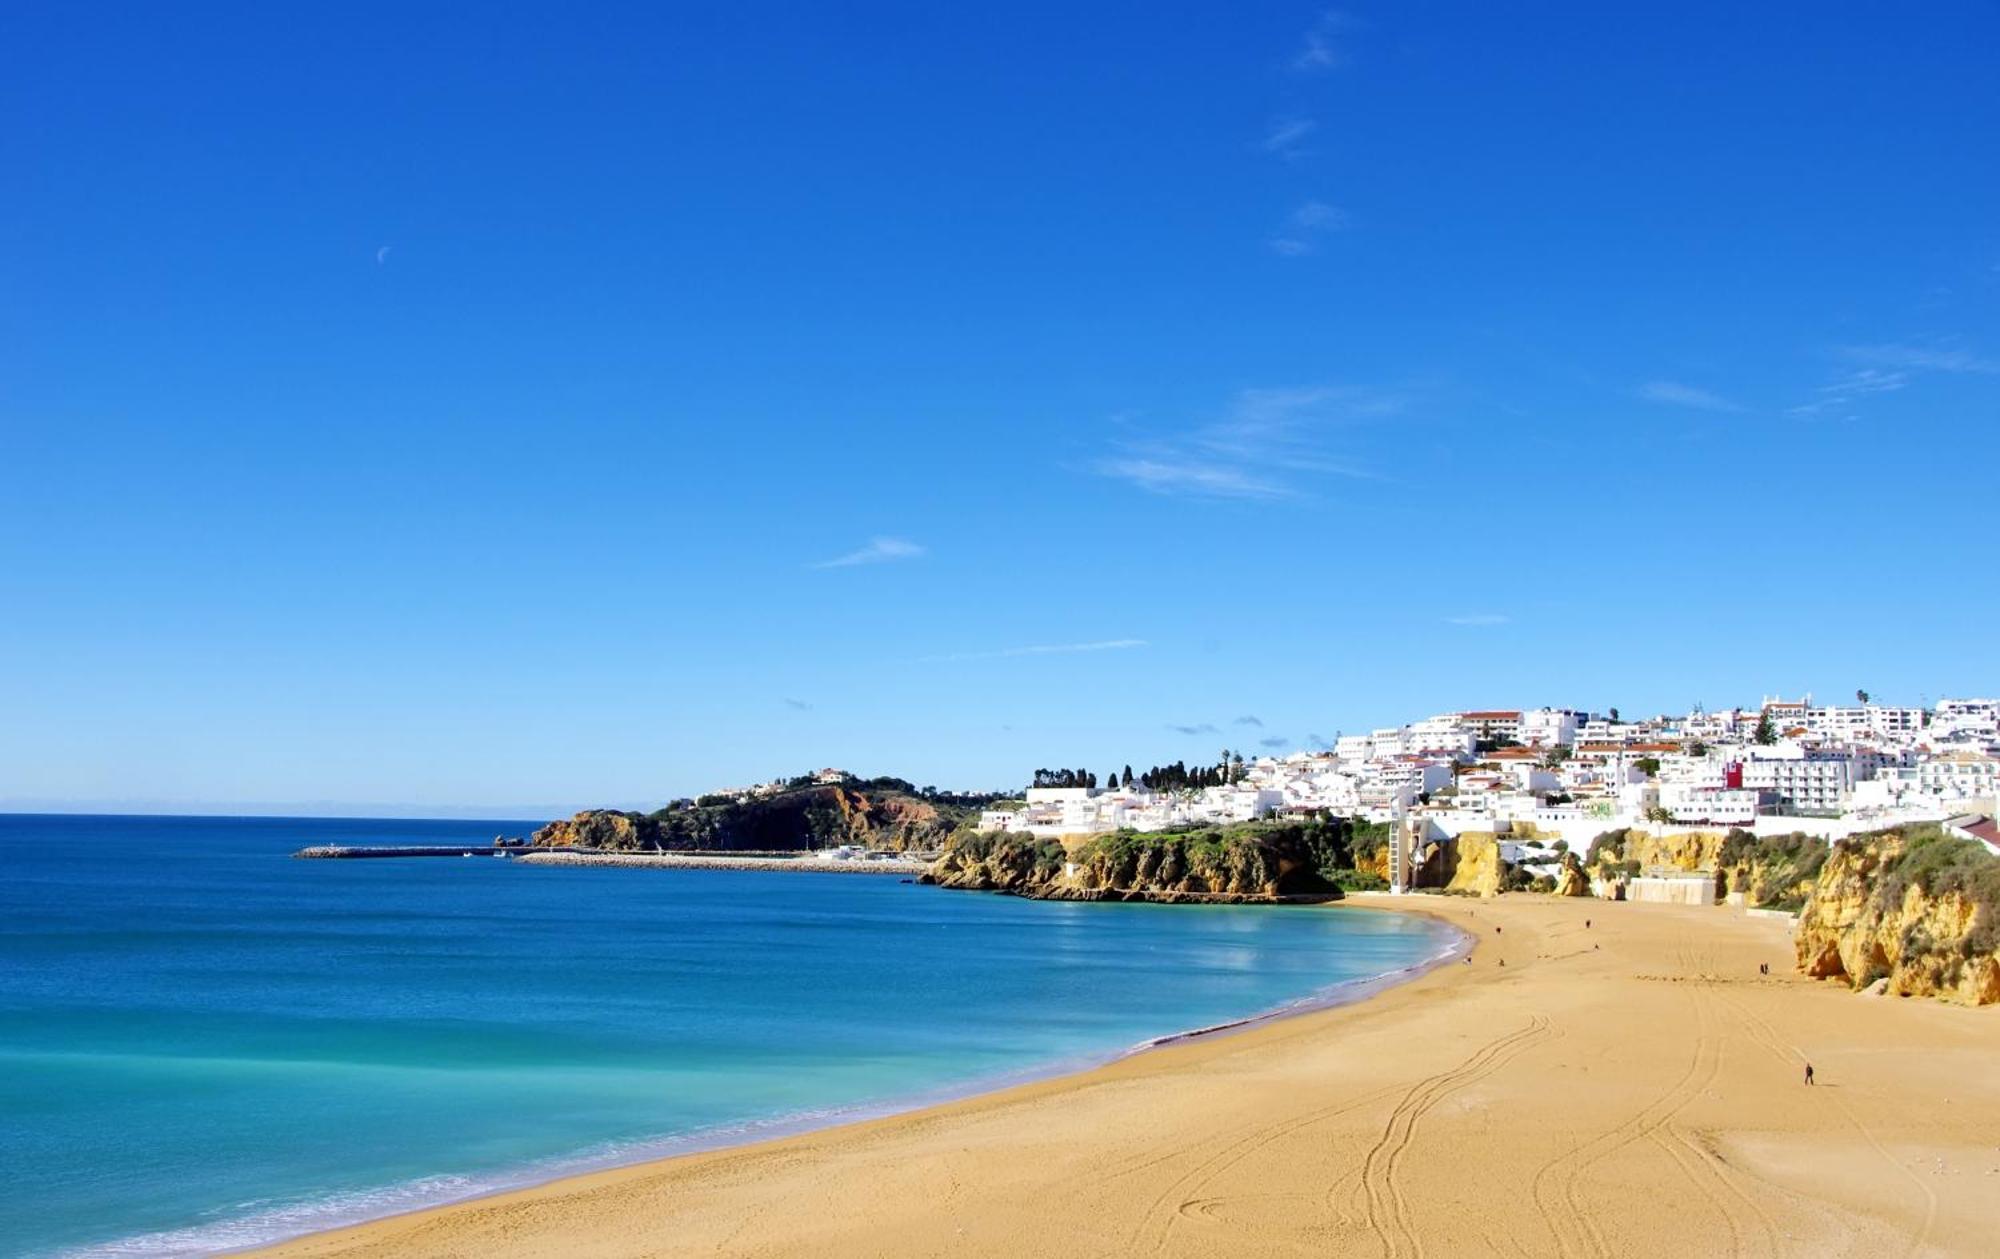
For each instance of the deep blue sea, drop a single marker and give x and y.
(206, 1044)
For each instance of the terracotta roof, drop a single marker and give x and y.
(1494, 714)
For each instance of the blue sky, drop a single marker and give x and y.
(461, 409)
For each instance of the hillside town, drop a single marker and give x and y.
(1785, 766)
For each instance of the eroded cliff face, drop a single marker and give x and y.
(1475, 868)
(1165, 868)
(593, 828)
(815, 817)
(1921, 917)
(1694, 850)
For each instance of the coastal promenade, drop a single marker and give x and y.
(1630, 1086)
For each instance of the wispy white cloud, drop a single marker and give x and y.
(1866, 381)
(1250, 721)
(1479, 618)
(1173, 475)
(798, 705)
(1322, 50)
(1285, 134)
(1835, 401)
(1305, 225)
(1040, 649)
(1260, 449)
(1203, 728)
(1887, 367)
(878, 551)
(1675, 394)
(1920, 358)
(1274, 742)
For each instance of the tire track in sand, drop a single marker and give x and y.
(1185, 1189)
(1386, 1204)
(1557, 1184)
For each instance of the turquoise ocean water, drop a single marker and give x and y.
(205, 1044)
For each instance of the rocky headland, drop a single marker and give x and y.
(880, 813)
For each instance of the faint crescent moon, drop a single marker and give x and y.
(381, 255)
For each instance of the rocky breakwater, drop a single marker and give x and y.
(1914, 909)
(1200, 867)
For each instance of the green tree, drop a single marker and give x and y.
(1767, 732)
(1862, 696)
(1648, 765)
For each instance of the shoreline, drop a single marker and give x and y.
(1453, 943)
(1572, 1046)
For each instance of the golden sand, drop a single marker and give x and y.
(1634, 1088)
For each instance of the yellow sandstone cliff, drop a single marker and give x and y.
(1916, 909)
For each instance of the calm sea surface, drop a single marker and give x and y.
(206, 1044)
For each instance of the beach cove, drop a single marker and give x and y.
(1630, 1086)
(209, 1045)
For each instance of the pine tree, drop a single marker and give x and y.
(1767, 733)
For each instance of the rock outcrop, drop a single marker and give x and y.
(1916, 908)
(1572, 879)
(1202, 867)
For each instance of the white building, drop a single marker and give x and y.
(1493, 724)
(1551, 727)
(1722, 806)
(1803, 783)
(1959, 776)
(1864, 721)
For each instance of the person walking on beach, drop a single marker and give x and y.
(1809, 1074)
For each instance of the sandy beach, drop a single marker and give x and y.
(1634, 1087)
